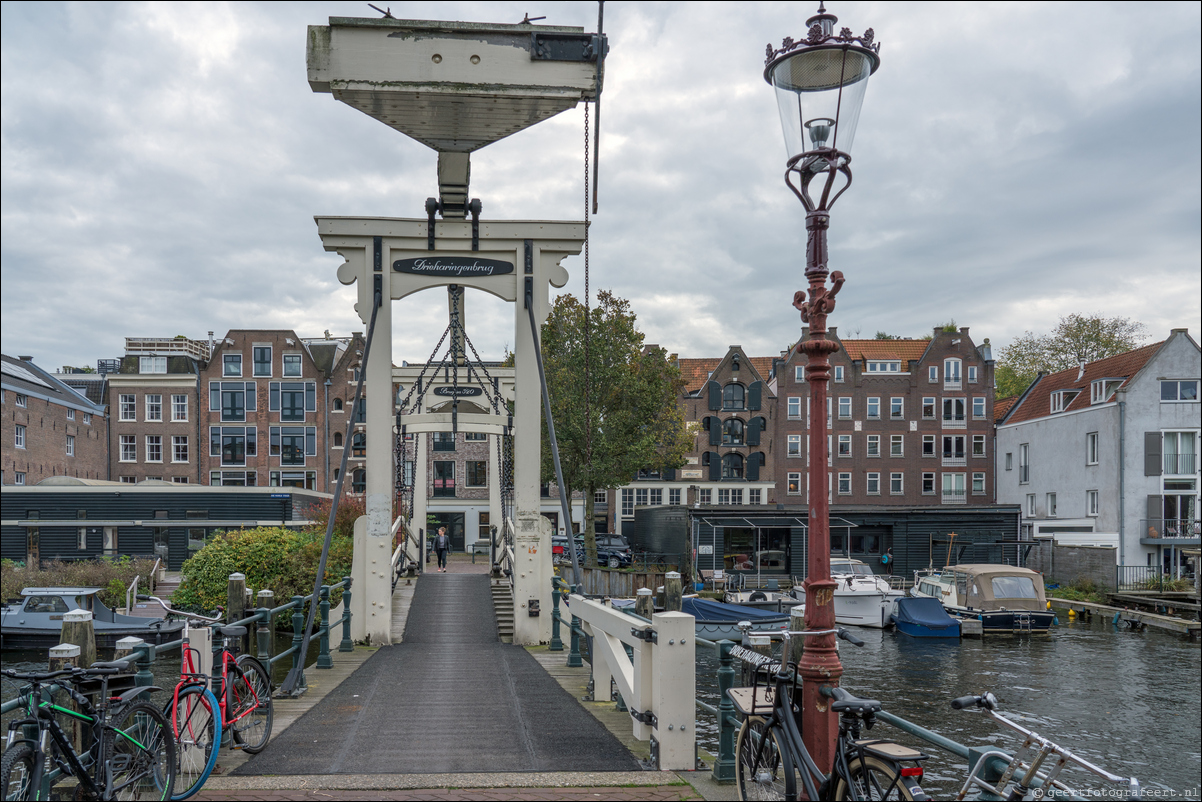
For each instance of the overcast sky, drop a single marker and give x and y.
(1015, 162)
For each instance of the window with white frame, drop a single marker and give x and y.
(1051, 505)
(127, 407)
(70, 414)
(1024, 463)
(793, 487)
(897, 408)
(1102, 390)
(844, 408)
(838, 373)
(70, 445)
(755, 496)
(231, 364)
(953, 447)
(1062, 398)
(627, 502)
(928, 445)
(978, 407)
(21, 400)
(896, 445)
(600, 497)
(884, 366)
(128, 480)
(293, 443)
(704, 495)
(953, 488)
(874, 445)
(1179, 451)
(154, 407)
(953, 411)
(87, 419)
(933, 377)
(674, 496)
(873, 484)
(951, 371)
(19, 477)
(1009, 460)
(736, 495)
(1179, 390)
(724, 495)
(799, 374)
(1030, 505)
(928, 484)
(971, 372)
(1091, 502)
(1091, 448)
(928, 407)
(19, 436)
(179, 407)
(233, 399)
(978, 483)
(978, 445)
(845, 445)
(233, 443)
(874, 408)
(794, 445)
(794, 408)
(152, 364)
(129, 448)
(896, 484)
(845, 484)
(656, 497)
(154, 448)
(179, 448)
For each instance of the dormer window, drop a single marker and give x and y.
(1062, 398)
(1102, 390)
(734, 396)
(884, 366)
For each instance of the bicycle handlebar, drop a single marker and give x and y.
(987, 701)
(194, 616)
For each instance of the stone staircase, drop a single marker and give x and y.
(502, 602)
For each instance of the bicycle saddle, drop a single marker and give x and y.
(857, 706)
(232, 632)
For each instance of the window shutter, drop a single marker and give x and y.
(755, 395)
(715, 392)
(1152, 461)
(715, 430)
(310, 396)
(715, 467)
(752, 472)
(273, 400)
(252, 394)
(753, 430)
(670, 474)
(1155, 517)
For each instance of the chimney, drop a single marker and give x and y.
(25, 358)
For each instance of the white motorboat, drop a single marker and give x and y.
(862, 598)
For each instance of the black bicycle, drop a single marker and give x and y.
(124, 748)
(770, 754)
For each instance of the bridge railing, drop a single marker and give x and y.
(406, 557)
(501, 550)
(652, 665)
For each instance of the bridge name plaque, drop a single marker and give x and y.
(457, 266)
(458, 392)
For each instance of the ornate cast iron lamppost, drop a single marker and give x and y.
(820, 83)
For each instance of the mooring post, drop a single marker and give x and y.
(724, 766)
(263, 631)
(347, 645)
(298, 638)
(556, 641)
(574, 660)
(79, 629)
(63, 656)
(673, 592)
(323, 648)
(644, 605)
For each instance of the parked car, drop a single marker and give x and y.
(612, 550)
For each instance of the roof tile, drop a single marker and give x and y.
(1038, 403)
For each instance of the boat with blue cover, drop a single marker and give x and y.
(716, 620)
(924, 618)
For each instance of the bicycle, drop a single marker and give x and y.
(195, 717)
(1023, 774)
(770, 754)
(130, 754)
(244, 705)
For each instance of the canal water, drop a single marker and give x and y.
(1128, 702)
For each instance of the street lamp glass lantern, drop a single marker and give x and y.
(820, 84)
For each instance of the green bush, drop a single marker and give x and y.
(281, 560)
(112, 575)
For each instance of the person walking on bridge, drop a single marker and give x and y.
(442, 544)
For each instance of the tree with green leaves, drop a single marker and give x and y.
(625, 417)
(1077, 339)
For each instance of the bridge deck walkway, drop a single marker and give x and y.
(450, 698)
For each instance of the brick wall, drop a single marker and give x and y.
(1067, 564)
(46, 428)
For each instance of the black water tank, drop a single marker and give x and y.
(661, 529)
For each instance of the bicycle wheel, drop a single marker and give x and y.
(16, 772)
(764, 767)
(141, 754)
(874, 778)
(248, 704)
(196, 724)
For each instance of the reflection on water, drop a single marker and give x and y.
(1129, 702)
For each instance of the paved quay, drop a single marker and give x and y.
(532, 759)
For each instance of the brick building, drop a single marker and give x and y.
(156, 422)
(49, 429)
(909, 422)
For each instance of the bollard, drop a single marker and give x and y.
(673, 592)
(63, 656)
(643, 604)
(574, 660)
(797, 623)
(347, 645)
(235, 599)
(556, 640)
(323, 641)
(79, 629)
(298, 638)
(263, 630)
(724, 765)
(659, 598)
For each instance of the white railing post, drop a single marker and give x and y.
(674, 686)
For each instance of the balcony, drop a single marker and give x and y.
(953, 384)
(1170, 532)
(950, 461)
(955, 422)
(1180, 464)
(954, 497)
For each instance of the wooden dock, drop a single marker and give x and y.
(1178, 625)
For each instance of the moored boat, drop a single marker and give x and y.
(1007, 600)
(921, 617)
(719, 621)
(862, 598)
(35, 621)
